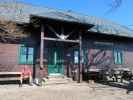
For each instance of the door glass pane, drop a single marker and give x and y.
(30, 51)
(76, 57)
(23, 50)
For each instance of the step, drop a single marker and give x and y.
(56, 76)
(57, 80)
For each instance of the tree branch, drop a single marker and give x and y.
(115, 4)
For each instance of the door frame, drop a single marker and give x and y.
(51, 56)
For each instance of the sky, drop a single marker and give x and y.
(123, 15)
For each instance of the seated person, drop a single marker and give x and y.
(26, 73)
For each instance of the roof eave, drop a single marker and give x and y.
(61, 20)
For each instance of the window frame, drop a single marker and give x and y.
(26, 55)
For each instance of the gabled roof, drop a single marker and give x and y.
(21, 13)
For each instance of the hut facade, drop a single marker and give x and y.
(54, 42)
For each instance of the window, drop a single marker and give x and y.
(84, 58)
(118, 56)
(26, 55)
(76, 57)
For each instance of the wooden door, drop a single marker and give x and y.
(55, 61)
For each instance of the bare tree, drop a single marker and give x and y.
(115, 4)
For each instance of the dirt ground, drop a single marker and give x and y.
(70, 91)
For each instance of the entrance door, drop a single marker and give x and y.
(55, 61)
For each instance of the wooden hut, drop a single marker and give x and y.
(54, 42)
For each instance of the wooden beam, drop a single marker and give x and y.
(42, 47)
(52, 29)
(62, 31)
(60, 40)
(80, 59)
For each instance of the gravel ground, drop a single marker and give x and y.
(70, 91)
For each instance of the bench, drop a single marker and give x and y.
(11, 76)
(15, 73)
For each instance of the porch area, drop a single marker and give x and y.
(59, 48)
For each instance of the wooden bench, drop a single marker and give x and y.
(11, 76)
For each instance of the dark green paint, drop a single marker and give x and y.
(55, 61)
(26, 55)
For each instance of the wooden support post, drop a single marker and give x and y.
(42, 47)
(80, 59)
(60, 40)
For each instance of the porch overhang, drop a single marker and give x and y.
(36, 19)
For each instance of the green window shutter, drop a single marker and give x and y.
(118, 56)
(22, 54)
(115, 57)
(30, 55)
